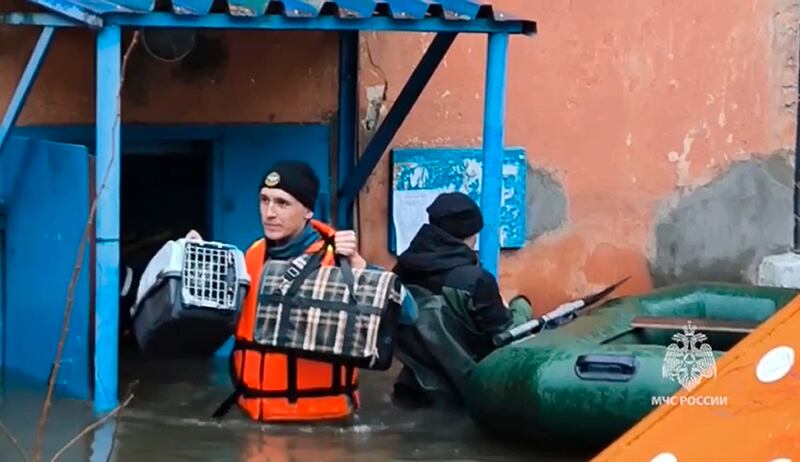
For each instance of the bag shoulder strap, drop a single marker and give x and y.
(303, 266)
(299, 269)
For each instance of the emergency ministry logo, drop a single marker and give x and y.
(689, 361)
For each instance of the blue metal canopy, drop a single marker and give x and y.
(401, 15)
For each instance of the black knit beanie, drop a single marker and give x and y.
(296, 178)
(456, 214)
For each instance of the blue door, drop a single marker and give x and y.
(46, 190)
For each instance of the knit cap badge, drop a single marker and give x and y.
(272, 180)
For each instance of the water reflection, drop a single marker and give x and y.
(169, 420)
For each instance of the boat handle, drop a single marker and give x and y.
(609, 368)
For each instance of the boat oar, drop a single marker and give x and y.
(562, 311)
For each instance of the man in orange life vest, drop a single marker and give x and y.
(280, 387)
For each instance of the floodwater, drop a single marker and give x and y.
(169, 420)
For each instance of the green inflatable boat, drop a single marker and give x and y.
(588, 381)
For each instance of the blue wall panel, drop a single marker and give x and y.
(10, 163)
(2, 285)
(46, 190)
(421, 174)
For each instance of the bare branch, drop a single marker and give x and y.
(14, 442)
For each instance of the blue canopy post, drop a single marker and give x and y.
(347, 120)
(492, 179)
(107, 177)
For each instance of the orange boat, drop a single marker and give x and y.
(750, 411)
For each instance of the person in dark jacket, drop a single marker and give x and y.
(460, 306)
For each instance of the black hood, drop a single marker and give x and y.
(433, 250)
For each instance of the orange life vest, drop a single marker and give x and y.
(279, 386)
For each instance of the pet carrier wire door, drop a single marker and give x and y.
(189, 298)
(209, 276)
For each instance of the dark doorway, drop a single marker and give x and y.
(163, 196)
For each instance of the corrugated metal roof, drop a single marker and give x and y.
(450, 10)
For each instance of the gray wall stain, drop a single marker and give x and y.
(546, 203)
(721, 231)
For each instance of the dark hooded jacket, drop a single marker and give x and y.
(473, 312)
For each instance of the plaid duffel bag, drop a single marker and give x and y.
(328, 313)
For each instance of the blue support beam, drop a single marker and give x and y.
(74, 11)
(107, 177)
(278, 22)
(320, 23)
(38, 19)
(347, 136)
(25, 83)
(394, 119)
(492, 182)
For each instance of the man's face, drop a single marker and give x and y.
(282, 215)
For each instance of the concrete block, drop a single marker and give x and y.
(782, 270)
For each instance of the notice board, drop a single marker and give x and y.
(421, 174)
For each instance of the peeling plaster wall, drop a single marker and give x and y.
(722, 230)
(641, 120)
(648, 116)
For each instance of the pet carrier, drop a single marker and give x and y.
(189, 298)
